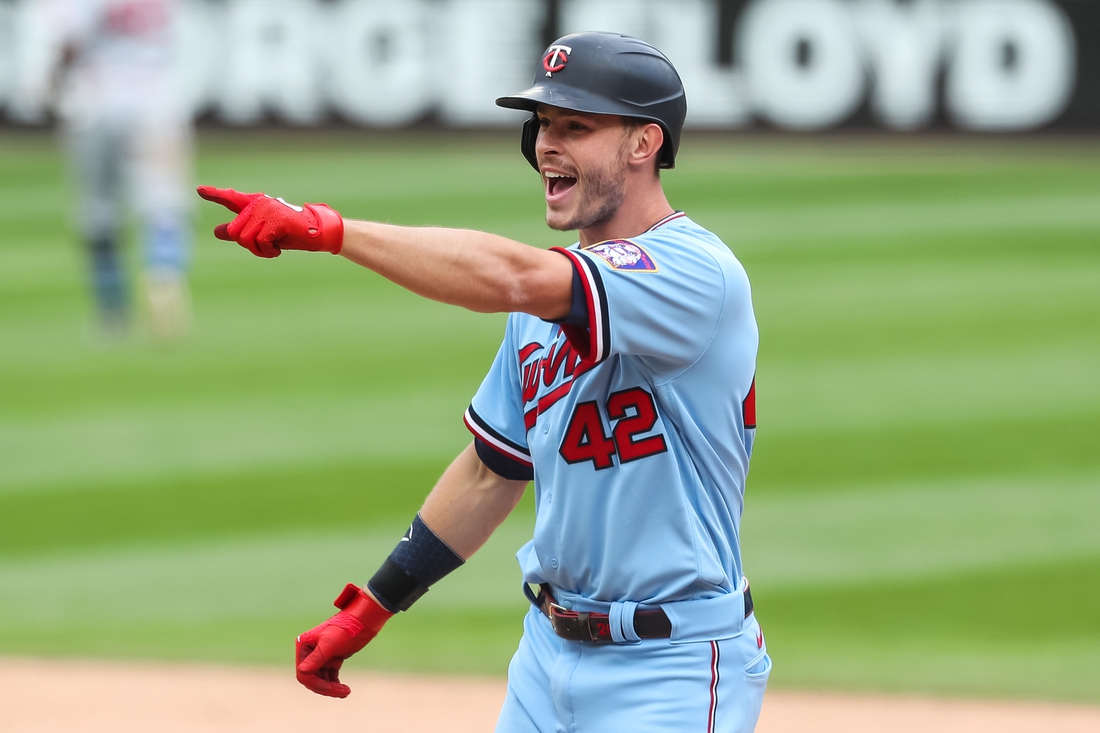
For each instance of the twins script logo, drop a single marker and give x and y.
(624, 255)
(559, 365)
(556, 58)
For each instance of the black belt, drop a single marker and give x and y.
(596, 627)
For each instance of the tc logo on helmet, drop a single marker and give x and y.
(555, 58)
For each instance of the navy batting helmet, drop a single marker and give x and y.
(607, 74)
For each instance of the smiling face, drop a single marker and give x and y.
(583, 159)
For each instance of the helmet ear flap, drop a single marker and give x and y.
(528, 138)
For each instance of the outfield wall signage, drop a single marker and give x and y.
(997, 65)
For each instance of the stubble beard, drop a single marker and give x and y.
(601, 196)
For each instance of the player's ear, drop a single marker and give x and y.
(645, 146)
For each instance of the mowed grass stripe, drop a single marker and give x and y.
(877, 457)
(1032, 635)
(245, 314)
(180, 510)
(809, 228)
(207, 438)
(921, 389)
(246, 599)
(785, 172)
(248, 355)
(918, 291)
(918, 530)
(178, 583)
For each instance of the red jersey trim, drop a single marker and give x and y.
(666, 220)
(594, 345)
(748, 407)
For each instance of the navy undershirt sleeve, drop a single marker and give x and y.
(502, 465)
(578, 311)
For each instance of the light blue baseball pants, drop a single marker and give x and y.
(651, 686)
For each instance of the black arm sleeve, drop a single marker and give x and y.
(419, 560)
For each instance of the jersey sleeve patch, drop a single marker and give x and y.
(624, 255)
(495, 440)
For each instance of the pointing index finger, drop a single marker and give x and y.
(233, 200)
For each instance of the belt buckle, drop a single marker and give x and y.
(575, 625)
(563, 621)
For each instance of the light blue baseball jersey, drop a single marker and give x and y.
(639, 427)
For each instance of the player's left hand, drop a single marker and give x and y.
(321, 651)
(265, 226)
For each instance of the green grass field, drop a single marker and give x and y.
(923, 512)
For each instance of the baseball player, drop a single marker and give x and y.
(624, 388)
(128, 134)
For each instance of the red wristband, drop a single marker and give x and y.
(353, 601)
(330, 228)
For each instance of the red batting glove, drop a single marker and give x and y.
(321, 651)
(265, 226)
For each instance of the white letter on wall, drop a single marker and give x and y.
(485, 49)
(32, 56)
(687, 32)
(1012, 66)
(801, 61)
(271, 62)
(7, 52)
(204, 43)
(379, 59)
(904, 42)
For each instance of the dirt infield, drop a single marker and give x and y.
(40, 696)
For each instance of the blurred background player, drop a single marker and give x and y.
(128, 138)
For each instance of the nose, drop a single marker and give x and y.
(547, 143)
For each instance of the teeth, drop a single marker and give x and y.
(548, 174)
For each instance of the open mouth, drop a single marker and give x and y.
(558, 185)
